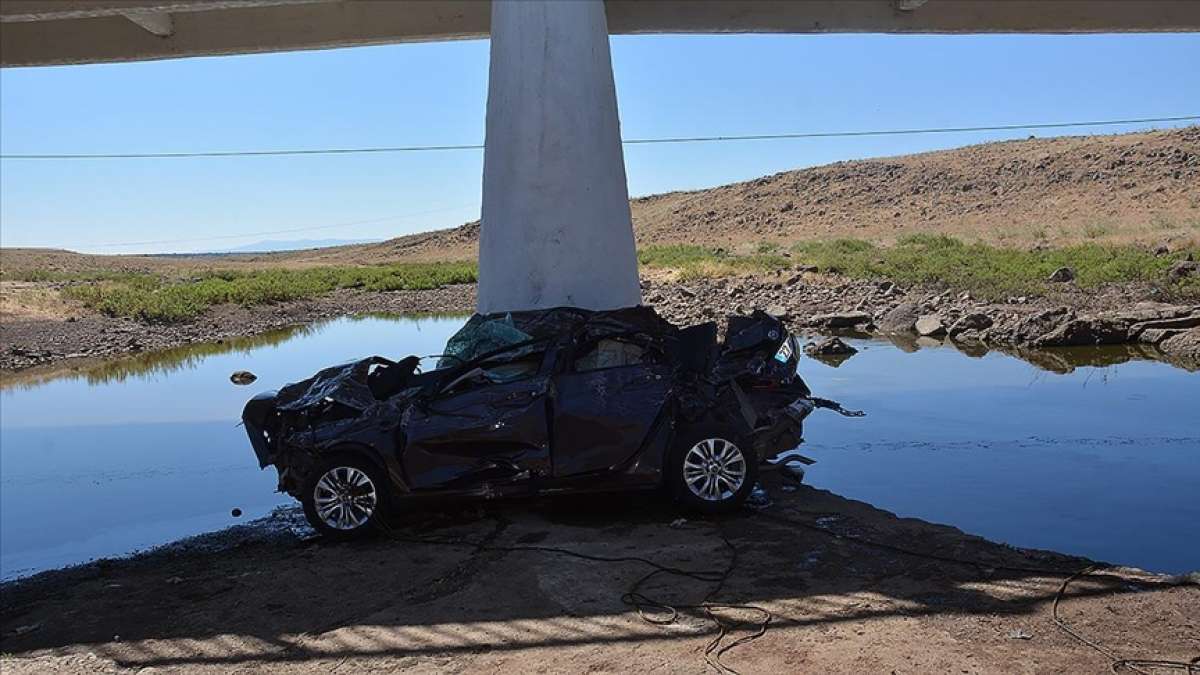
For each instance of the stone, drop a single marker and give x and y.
(1183, 269)
(1085, 330)
(1153, 336)
(969, 322)
(1062, 275)
(831, 346)
(840, 319)
(930, 326)
(900, 319)
(242, 377)
(779, 312)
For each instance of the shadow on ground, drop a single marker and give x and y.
(836, 603)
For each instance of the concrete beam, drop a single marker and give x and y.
(46, 32)
(156, 23)
(555, 223)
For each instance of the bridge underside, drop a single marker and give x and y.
(45, 32)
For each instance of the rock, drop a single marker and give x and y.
(1062, 275)
(1153, 336)
(686, 292)
(1183, 269)
(793, 280)
(1149, 311)
(900, 319)
(1160, 324)
(930, 326)
(1085, 330)
(1185, 345)
(840, 319)
(970, 322)
(1161, 250)
(779, 312)
(829, 347)
(242, 377)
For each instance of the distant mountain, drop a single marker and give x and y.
(273, 245)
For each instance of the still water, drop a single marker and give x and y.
(1096, 460)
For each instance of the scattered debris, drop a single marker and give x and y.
(27, 628)
(1019, 634)
(1062, 275)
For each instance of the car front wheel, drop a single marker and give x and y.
(344, 497)
(712, 471)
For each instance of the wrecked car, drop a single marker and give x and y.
(541, 402)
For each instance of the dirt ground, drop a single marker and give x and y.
(849, 588)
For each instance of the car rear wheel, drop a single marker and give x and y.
(344, 497)
(712, 470)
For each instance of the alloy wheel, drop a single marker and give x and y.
(345, 498)
(714, 469)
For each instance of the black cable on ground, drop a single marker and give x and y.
(648, 609)
(668, 613)
(1117, 663)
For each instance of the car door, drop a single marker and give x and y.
(606, 400)
(489, 426)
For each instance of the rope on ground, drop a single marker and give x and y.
(661, 613)
(648, 609)
(1116, 663)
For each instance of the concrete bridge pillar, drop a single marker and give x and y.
(556, 228)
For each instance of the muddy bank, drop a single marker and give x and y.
(38, 342)
(1140, 317)
(849, 588)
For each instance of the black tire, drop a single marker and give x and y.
(721, 438)
(346, 469)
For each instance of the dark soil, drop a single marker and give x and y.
(849, 588)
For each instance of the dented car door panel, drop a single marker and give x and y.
(602, 417)
(491, 432)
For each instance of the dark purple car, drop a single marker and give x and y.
(540, 402)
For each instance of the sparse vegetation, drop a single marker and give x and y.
(155, 298)
(698, 261)
(983, 269)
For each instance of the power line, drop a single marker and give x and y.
(632, 141)
(270, 232)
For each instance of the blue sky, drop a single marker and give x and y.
(434, 93)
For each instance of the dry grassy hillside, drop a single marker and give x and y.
(1142, 187)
